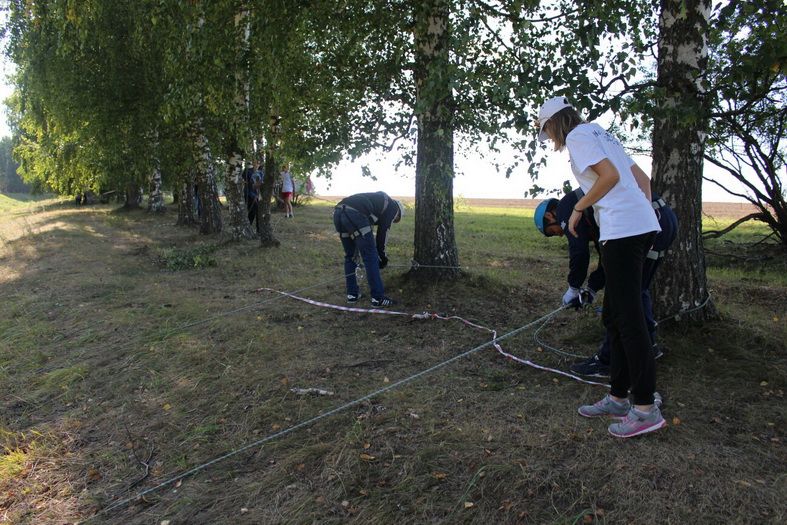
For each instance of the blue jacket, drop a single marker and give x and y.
(379, 208)
(587, 231)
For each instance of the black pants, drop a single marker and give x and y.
(632, 367)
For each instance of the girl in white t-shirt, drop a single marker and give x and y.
(287, 189)
(619, 192)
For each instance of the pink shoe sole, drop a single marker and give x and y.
(644, 430)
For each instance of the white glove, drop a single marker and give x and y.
(571, 294)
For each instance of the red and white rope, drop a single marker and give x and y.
(428, 315)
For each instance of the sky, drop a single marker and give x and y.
(475, 178)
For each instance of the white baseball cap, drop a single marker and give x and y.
(548, 109)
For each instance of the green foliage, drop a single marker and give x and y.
(749, 114)
(198, 257)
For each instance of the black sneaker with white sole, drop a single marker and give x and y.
(352, 299)
(383, 302)
(591, 367)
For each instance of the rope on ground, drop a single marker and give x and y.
(675, 316)
(428, 315)
(545, 346)
(242, 308)
(315, 419)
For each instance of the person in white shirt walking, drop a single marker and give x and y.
(619, 192)
(287, 189)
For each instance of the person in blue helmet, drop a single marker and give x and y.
(619, 192)
(551, 218)
(353, 218)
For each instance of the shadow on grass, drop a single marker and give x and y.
(97, 370)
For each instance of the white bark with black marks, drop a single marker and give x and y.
(678, 146)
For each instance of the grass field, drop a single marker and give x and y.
(132, 350)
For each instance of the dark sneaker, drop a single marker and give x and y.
(656, 350)
(607, 407)
(353, 298)
(591, 367)
(382, 302)
(637, 423)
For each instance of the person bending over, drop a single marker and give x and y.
(551, 218)
(354, 218)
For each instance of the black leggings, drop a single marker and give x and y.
(632, 367)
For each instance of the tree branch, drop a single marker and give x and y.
(715, 234)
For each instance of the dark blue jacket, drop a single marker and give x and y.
(379, 208)
(578, 247)
(587, 231)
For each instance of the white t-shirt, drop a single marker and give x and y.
(286, 182)
(625, 210)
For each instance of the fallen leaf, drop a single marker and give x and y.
(587, 519)
(320, 499)
(367, 457)
(165, 522)
(367, 445)
(300, 466)
(93, 474)
(716, 419)
(439, 475)
(506, 505)
(284, 381)
(275, 426)
(179, 483)
(386, 380)
(167, 406)
(469, 504)
(244, 510)
(345, 504)
(363, 492)
(675, 421)
(763, 383)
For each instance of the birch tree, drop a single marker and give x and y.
(679, 132)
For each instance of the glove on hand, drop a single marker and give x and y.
(571, 295)
(585, 298)
(383, 261)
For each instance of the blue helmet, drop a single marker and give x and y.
(541, 209)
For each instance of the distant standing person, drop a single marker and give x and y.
(353, 218)
(619, 192)
(287, 189)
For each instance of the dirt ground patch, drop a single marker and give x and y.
(118, 374)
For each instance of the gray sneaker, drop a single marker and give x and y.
(638, 422)
(607, 407)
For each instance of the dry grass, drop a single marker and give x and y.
(98, 378)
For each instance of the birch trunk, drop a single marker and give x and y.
(435, 243)
(680, 126)
(156, 197)
(237, 217)
(267, 237)
(205, 179)
(186, 208)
